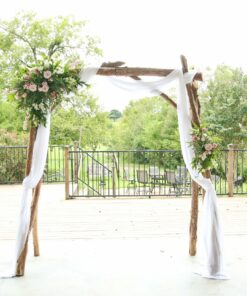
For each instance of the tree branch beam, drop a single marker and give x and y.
(136, 71)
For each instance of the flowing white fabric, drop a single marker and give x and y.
(38, 163)
(212, 233)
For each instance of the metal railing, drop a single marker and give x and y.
(125, 173)
(13, 162)
(148, 173)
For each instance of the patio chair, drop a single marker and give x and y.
(176, 186)
(238, 182)
(143, 178)
(183, 178)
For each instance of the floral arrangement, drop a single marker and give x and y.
(42, 87)
(206, 149)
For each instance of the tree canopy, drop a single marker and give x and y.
(225, 105)
(25, 39)
(149, 123)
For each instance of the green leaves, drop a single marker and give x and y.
(26, 39)
(206, 149)
(225, 105)
(149, 123)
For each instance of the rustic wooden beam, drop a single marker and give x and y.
(195, 115)
(21, 261)
(136, 71)
(195, 186)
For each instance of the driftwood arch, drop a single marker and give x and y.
(117, 69)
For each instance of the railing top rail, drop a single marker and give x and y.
(25, 146)
(114, 151)
(4, 147)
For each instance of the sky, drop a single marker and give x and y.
(154, 33)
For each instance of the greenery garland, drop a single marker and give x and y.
(206, 149)
(39, 89)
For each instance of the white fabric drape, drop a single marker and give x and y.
(212, 233)
(38, 163)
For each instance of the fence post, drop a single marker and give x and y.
(66, 171)
(230, 169)
(76, 165)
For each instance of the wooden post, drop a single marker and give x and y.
(66, 171)
(35, 236)
(21, 261)
(195, 110)
(230, 169)
(193, 219)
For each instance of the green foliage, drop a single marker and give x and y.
(115, 114)
(11, 132)
(149, 123)
(45, 86)
(11, 170)
(80, 120)
(205, 148)
(26, 39)
(225, 105)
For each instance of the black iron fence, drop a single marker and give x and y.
(13, 162)
(148, 173)
(128, 173)
(124, 173)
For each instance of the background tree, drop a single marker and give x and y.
(81, 120)
(25, 39)
(225, 105)
(148, 123)
(115, 114)
(11, 119)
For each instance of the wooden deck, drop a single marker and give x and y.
(113, 218)
(109, 247)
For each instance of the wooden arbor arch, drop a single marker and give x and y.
(117, 69)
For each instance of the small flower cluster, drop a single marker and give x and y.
(41, 88)
(206, 149)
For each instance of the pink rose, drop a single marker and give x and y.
(204, 129)
(194, 138)
(215, 145)
(208, 147)
(32, 87)
(44, 83)
(45, 88)
(26, 77)
(26, 86)
(47, 74)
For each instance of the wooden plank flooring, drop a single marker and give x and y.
(113, 218)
